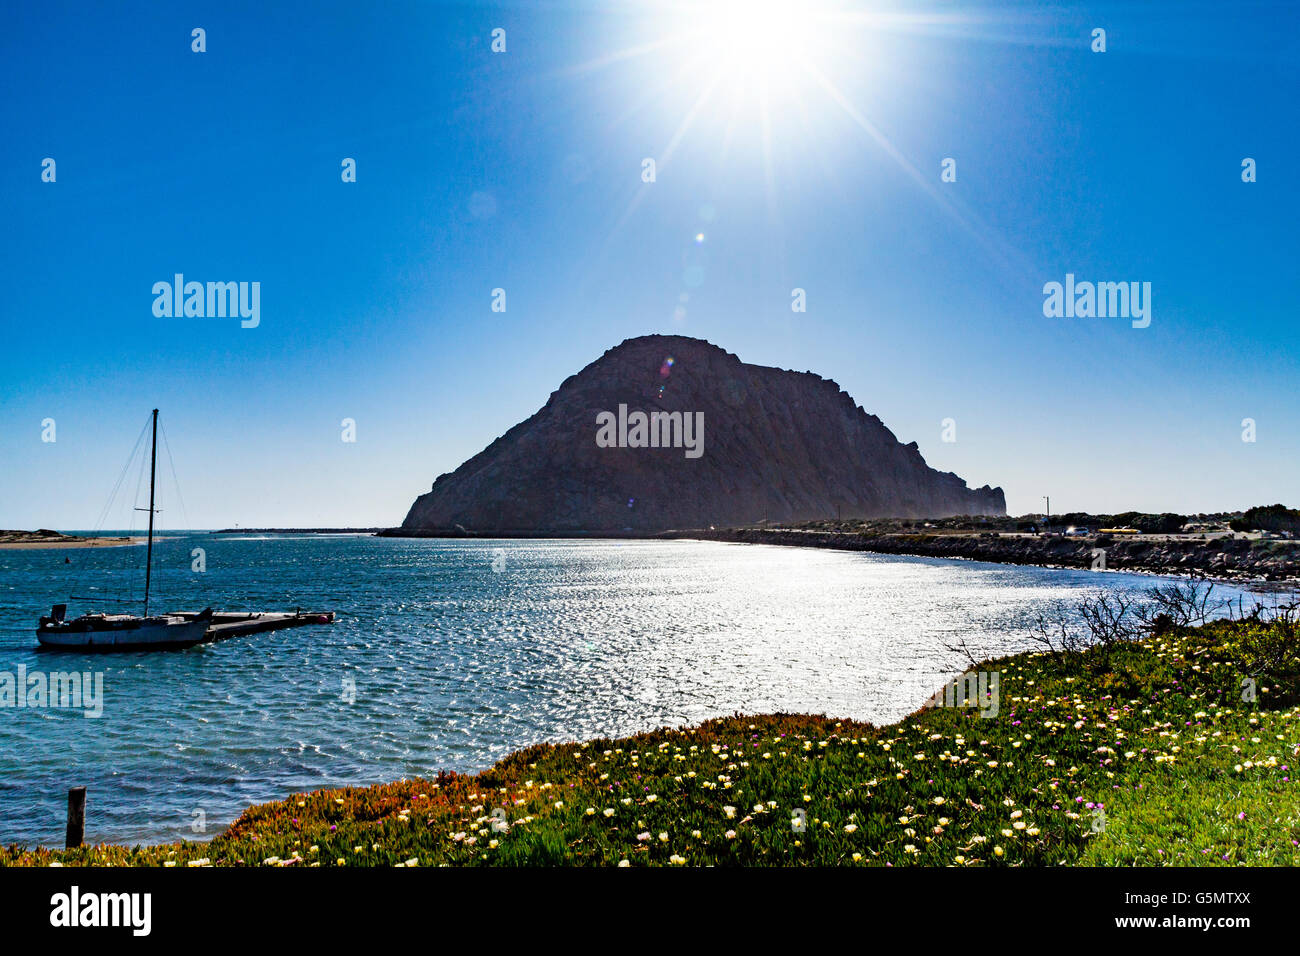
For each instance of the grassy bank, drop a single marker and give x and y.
(1142, 753)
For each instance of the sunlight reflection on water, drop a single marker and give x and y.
(455, 664)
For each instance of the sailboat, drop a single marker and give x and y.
(126, 632)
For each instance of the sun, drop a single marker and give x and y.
(754, 91)
(746, 44)
(751, 41)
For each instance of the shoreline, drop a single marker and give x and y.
(1275, 566)
(54, 541)
(968, 783)
(1229, 562)
(366, 531)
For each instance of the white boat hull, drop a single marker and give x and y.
(152, 634)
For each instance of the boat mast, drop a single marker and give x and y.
(153, 467)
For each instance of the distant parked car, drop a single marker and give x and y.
(1076, 532)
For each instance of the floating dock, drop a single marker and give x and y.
(227, 624)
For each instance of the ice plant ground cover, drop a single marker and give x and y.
(1145, 753)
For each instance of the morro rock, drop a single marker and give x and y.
(776, 445)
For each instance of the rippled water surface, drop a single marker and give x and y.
(455, 664)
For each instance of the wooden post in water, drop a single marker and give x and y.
(76, 816)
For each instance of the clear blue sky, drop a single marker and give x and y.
(522, 170)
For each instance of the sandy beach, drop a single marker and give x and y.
(14, 540)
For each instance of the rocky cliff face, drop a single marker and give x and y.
(780, 445)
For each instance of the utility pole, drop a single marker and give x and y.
(1047, 520)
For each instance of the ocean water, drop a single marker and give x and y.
(448, 654)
